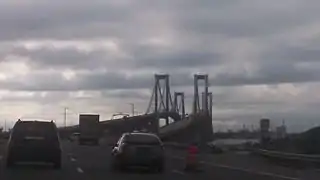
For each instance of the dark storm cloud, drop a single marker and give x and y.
(57, 18)
(117, 80)
(112, 80)
(293, 54)
(281, 63)
(132, 21)
(236, 80)
(197, 36)
(124, 94)
(61, 19)
(91, 81)
(152, 56)
(273, 73)
(141, 57)
(64, 58)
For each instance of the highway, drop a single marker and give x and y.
(92, 162)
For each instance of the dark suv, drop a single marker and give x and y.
(34, 141)
(138, 149)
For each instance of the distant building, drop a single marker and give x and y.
(281, 132)
(265, 128)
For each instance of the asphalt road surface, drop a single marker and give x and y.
(92, 163)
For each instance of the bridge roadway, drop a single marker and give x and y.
(92, 162)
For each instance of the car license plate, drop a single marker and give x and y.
(33, 138)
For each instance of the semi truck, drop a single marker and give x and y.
(89, 129)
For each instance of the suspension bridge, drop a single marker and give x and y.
(165, 104)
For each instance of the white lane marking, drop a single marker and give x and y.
(72, 159)
(1, 158)
(79, 170)
(178, 172)
(244, 170)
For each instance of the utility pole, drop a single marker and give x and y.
(5, 125)
(132, 108)
(65, 116)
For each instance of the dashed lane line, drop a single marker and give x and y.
(243, 170)
(79, 170)
(73, 159)
(1, 158)
(178, 172)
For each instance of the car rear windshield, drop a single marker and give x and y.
(142, 139)
(45, 130)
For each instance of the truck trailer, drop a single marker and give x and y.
(89, 129)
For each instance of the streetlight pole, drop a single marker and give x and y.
(65, 116)
(132, 108)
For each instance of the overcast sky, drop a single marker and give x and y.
(97, 56)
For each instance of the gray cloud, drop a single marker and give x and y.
(65, 58)
(292, 54)
(55, 81)
(57, 19)
(267, 75)
(60, 19)
(139, 57)
(88, 81)
(194, 36)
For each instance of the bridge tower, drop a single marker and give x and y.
(209, 98)
(203, 130)
(196, 101)
(178, 104)
(161, 100)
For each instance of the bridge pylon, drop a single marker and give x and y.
(196, 99)
(209, 99)
(161, 100)
(178, 104)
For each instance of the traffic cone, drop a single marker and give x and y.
(191, 159)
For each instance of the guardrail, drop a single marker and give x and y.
(289, 157)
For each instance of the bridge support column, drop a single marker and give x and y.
(196, 99)
(179, 106)
(161, 96)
